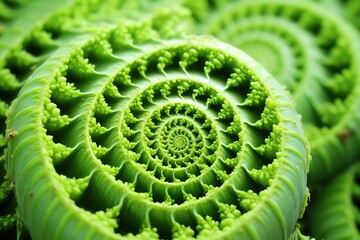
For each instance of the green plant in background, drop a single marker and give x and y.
(315, 53)
(349, 9)
(8, 12)
(335, 208)
(141, 137)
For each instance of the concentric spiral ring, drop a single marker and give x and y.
(167, 139)
(314, 52)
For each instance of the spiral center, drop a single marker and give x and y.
(180, 142)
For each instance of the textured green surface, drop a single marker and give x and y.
(315, 53)
(334, 211)
(125, 128)
(27, 41)
(8, 204)
(130, 136)
(17, 60)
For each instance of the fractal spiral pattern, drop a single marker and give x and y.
(151, 140)
(155, 119)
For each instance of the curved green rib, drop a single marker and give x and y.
(334, 211)
(14, 60)
(46, 25)
(315, 53)
(147, 138)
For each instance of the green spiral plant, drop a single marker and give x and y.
(315, 53)
(121, 134)
(335, 208)
(46, 25)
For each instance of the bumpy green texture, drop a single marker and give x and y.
(334, 210)
(130, 136)
(46, 25)
(20, 52)
(316, 54)
(7, 205)
(27, 41)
